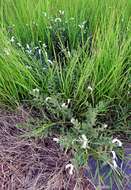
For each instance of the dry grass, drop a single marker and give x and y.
(33, 164)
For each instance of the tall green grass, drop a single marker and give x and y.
(88, 43)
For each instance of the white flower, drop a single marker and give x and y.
(39, 51)
(44, 45)
(19, 44)
(81, 26)
(27, 45)
(68, 101)
(48, 98)
(90, 88)
(58, 19)
(73, 121)
(12, 39)
(35, 92)
(49, 61)
(70, 167)
(69, 54)
(29, 51)
(61, 12)
(105, 126)
(56, 140)
(84, 141)
(114, 159)
(64, 105)
(117, 141)
(114, 164)
(114, 155)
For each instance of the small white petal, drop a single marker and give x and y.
(117, 141)
(12, 39)
(84, 137)
(48, 98)
(105, 126)
(39, 51)
(68, 101)
(49, 61)
(35, 91)
(27, 45)
(84, 141)
(64, 105)
(84, 145)
(70, 167)
(73, 121)
(90, 88)
(61, 12)
(44, 45)
(58, 20)
(114, 164)
(19, 44)
(56, 140)
(114, 155)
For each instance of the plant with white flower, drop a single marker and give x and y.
(84, 141)
(12, 39)
(39, 51)
(114, 155)
(66, 105)
(47, 99)
(117, 142)
(69, 53)
(44, 45)
(49, 61)
(70, 167)
(56, 140)
(105, 126)
(29, 51)
(90, 88)
(58, 19)
(35, 92)
(19, 44)
(114, 159)
(73, 121)
(114, 164)
(61, 12)
(27, 46)
(82, 25)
